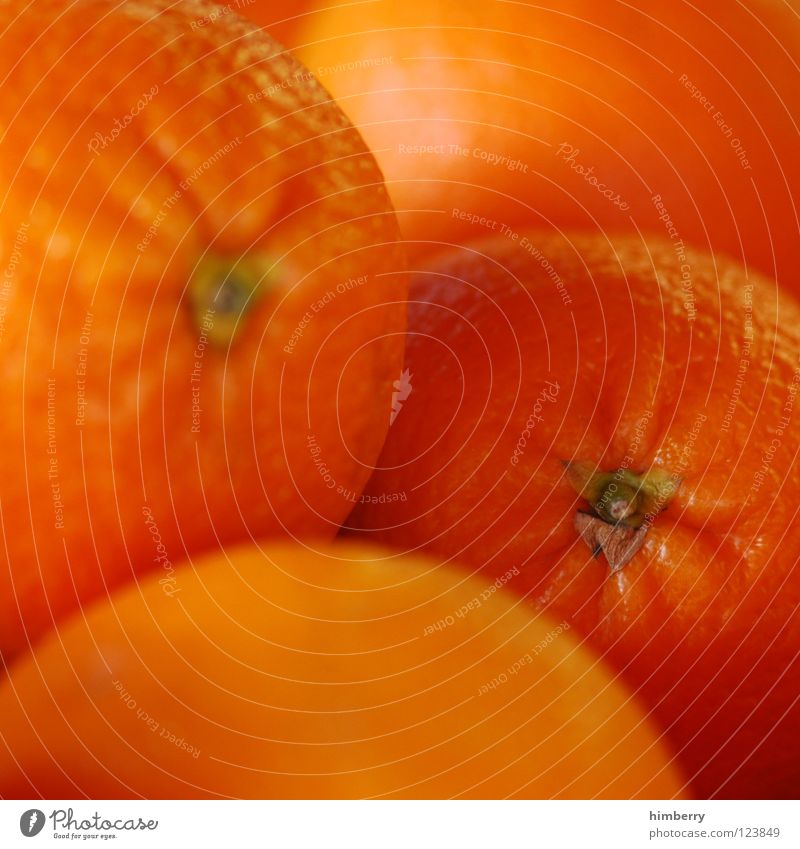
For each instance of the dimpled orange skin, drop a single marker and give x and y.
(130, 436)
(702, 623)
(651, 98)
(295, 673)
(280, 20)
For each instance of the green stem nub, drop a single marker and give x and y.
(622, 497)
(623, 506)
(222, 290)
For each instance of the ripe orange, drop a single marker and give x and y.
(344, 672)
(532, 350)
(574, 113)
(280, 20)
(201, 309)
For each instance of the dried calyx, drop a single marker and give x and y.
(223, 289)
(622, 504)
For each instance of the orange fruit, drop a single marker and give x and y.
(202, 304)
(656, 116)
(280, 20)
(530, 351)
(332, 673)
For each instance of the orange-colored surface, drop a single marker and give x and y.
(134, 429)
(281, 20)
(526, 350)
(574, 113)
(341, 673)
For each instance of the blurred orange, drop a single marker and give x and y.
(530, 349)
(571, 113)
(338, 673)
(200, 319)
